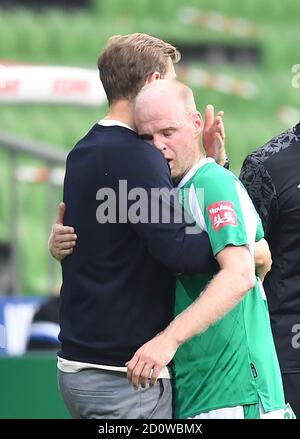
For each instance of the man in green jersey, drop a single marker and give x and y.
(225, 363)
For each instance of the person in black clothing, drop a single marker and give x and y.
(272, 178)
(120, 278)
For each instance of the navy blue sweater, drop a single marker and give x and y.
(118, 285)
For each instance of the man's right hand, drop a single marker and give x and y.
(62, 239)
(263, 258)
(213, 135)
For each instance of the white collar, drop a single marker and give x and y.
(194, 169)
(113, 122)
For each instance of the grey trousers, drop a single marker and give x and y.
(103, 394)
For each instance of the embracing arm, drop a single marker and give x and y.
(222, 294)
(263, 259)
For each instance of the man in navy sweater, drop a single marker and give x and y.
(118, 285)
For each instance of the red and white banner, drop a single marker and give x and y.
(50, 84)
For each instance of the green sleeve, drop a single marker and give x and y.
(228, 212)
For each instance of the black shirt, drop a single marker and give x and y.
(272, 178)
(118, 285)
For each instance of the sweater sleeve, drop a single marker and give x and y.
(165, 229)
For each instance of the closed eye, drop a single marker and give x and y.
(146, 137)
(168, 133)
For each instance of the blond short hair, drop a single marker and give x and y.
(128, 60)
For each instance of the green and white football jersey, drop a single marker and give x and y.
(234, 362)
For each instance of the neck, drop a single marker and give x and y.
(198, 156)
(122, 110)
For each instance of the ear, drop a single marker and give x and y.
(153, 77)
(198, 122)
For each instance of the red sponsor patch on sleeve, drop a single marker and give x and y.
(222, 214)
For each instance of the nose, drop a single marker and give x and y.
(159, 144)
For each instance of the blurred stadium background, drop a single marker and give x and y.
(240, 56)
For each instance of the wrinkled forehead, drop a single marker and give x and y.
(158, 113)
(157, 123)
